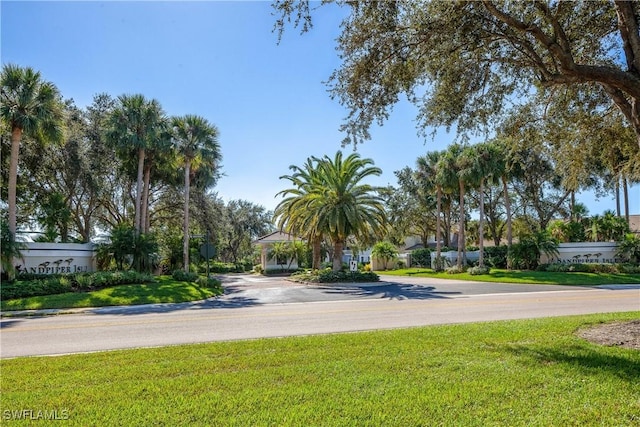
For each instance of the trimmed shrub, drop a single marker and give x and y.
(183, 276)
(454, 269)
(329, 276)
(496, 256)
(477, 271)
(421, 257)
(210, 283)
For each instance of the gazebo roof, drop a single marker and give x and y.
(276, 236)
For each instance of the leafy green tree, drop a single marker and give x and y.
(411, 207)
(629, 248)
(281, 252)
(461, 62)
(10, 249)
(196, 141)
(385, 251)
(242, 222)
(55, 216)
(31, 106)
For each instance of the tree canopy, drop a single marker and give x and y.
(463, 63)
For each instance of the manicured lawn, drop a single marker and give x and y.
(515, 373)
(514, 276)
(164, 291)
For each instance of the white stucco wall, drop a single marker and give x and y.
(56, 258)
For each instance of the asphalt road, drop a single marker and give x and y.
(256, 307)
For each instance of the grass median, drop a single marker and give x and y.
(524, 276)
(164, 290)
(516, 373)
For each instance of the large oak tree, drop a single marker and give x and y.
(462, 62)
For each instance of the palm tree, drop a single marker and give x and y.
(135, 124)
(451, 170)
(484, 165)
(329, 199)
(345, 206)
(295, 214)
(506, 168)
(196, 141)
(427, 170)
(28, 106)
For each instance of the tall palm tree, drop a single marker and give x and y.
(296, 214)
(484, 165)
(31, 106)
(346, 206)
(448, 168)
(427, 170)
(196, 141)
(135, 124)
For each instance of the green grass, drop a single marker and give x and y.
(515, 373)
(532, 277)
(166, 290)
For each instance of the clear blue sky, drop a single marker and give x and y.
(222, 61)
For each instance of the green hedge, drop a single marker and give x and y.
(57, 284)
(590, 268)
(329, 276)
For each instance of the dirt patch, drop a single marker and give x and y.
(620, 334)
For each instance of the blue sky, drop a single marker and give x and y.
(222, 61)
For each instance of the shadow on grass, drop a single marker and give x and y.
(398, 291)
(202, 301)
(588, 360)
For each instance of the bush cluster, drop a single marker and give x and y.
(80, 282)
(590, 268)
(421, 257)
(477, 271)
(454, 269)
(183, 276)
(210, 283)
(329, 276)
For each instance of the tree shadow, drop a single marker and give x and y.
(227, 300)
(8, 323)
(589, 360)
(397, 291)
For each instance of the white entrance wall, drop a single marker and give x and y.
(56, 258)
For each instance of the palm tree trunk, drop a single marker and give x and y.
(438, 227)
(144, 202)
(185, 247)
(625, 191)
(461, 242)
(137, 222)
(317, 248)
(16, 136)
(337, 255)
(481, 225)
(617, 190)
(507, 207)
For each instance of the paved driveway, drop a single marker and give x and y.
(246, 289)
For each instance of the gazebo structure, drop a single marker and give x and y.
(266, 242)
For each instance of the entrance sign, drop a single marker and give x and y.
(56, 258)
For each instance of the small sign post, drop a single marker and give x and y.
(353, 265)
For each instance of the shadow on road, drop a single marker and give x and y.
(397, 291)
(8, 323)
